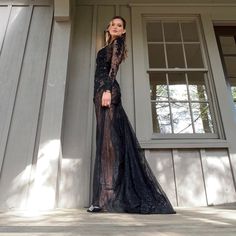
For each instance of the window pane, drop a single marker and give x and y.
(193, 56)
(175, 56)
(154, 32)
(190, 33)
(228, 44)
(202, 118)
(177, 87)
(158, 87)
(172, 32)
(230, 63)
(156, 56)
(197, 87)
(161, 117)
(181, 118)
(179, 97)
(233, 90)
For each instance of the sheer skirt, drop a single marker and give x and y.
(123, 180)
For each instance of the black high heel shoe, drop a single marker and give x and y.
(93, 208)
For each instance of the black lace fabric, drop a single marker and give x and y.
(123, 180)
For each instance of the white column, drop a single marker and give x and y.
(224, 99)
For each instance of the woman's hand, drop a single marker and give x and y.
(106, 98)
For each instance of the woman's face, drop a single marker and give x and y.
(116, 28)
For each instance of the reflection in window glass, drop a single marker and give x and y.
(161, 117)
(190, 32)
(181, 118)
(172, 32)
(233, 91)
(197, 87)
(228, 44)
(156, 56)
(158, 87)
(173, 93)
(230, 63)
(201, 118)
(177, 87)
(154, 32)
(175, 56)
(193, 56)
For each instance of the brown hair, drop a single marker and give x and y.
(108, 36)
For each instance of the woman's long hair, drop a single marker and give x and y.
(108, 39)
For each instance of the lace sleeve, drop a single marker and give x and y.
(116, 59)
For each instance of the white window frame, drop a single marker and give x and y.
(144, 132)
(205, 70)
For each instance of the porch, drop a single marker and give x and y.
(215, 220)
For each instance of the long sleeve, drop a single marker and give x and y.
(116, 59)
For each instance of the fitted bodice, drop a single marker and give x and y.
(108, 61)
(103, 62)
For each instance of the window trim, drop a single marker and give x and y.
(184, 143)
(206, 69)
(147, 136)
(227, 31)
(210, 15)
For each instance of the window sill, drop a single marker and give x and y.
(184, 143)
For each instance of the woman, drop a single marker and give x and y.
(123, 180)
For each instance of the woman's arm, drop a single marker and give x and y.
(117, 56)
(116, 59)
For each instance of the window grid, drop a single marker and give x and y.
(183, 47)
(185, 69)
(190, 107)
(188, 101)
(165, 52)
(168, 94)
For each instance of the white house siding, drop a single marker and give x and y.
(44, 164)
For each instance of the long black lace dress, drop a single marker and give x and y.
(123, 180)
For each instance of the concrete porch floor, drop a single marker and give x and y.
(217, 221)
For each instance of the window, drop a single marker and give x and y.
(178, 78)
(226, 38)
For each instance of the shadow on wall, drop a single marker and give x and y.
(40, 180)
(218, 176)
(193, 181)
(52, 182)
(194, 178)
